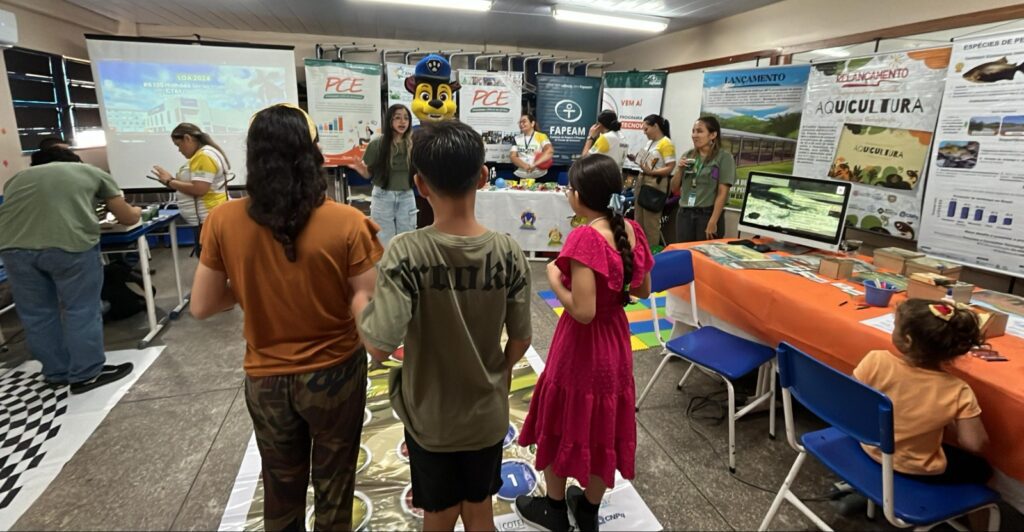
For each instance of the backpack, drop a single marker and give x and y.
(122, 290)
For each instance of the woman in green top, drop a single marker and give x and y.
(702, 180)
(386, 164)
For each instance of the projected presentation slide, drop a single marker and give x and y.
(807, 207)
(147, 87)
(156, 97)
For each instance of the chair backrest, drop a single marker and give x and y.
(671, 269)
(841, 401)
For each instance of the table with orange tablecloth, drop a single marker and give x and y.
(776, 306)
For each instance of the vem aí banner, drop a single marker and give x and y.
(870, 120)
(975, 200)
(633, 95)
(344, 101)
(397, 72)
(491, 102)
(759, 110)
(566, 108)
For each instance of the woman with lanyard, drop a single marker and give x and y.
(532, 152)
(604, 138)
(386, 164)
(703, 180)
(201, 183)
(656, 162)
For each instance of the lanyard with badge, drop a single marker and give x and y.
(698, 166)
(528, 143)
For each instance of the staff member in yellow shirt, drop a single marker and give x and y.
(604, 138)
(201, 183)
(656, 161)
(532, 150)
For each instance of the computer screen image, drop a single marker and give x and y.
(798, 210)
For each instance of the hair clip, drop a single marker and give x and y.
(942, 311)
(615, 204)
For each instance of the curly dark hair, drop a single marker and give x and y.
(286, 180)
(595, 178)
(933, 340)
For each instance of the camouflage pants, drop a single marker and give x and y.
(307, 427)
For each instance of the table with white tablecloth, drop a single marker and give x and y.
(537, 220)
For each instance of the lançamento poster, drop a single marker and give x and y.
(975, 198)
(896, 91)
(759, 110)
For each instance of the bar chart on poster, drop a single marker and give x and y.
(975, 198)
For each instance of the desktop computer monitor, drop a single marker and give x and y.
(798, 210)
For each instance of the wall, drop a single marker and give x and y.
(787, 23)
(46, 33)
(45, 25)
(304, 44)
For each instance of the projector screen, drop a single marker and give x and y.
(146, 87)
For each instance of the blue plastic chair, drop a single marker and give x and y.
(713, 350)
(859, 414)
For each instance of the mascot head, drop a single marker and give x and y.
(433, 92)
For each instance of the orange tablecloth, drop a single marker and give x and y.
(779, 306)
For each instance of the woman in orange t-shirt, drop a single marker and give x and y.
(301, 267)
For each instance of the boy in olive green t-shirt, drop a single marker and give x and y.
(446, 291)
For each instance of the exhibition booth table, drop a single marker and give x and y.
(135, 239)
(539, 220)
(821, 319)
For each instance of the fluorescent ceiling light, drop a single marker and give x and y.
(631, 22)
(468, 5)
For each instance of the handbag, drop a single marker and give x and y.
(652, 199)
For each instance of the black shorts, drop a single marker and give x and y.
(443, 480)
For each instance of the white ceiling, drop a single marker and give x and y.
(520, 23)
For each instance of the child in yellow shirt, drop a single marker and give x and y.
(928, 402)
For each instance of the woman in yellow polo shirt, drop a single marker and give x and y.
(201, 183)
(656, 160)
(604, 137)
(531, 150)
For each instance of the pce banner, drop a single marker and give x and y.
(344, 101)
(491, 102)
(566, 108)
(870, 120)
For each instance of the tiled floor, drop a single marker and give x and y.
(167, 455)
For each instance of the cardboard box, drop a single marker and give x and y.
(933, 265)
(993, 323)
(836, 268)
(935, 286)
(895, 259)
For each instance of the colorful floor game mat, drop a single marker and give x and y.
(641, 321)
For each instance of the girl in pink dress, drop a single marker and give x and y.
(581, 416)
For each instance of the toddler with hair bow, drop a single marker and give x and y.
(929, 403)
